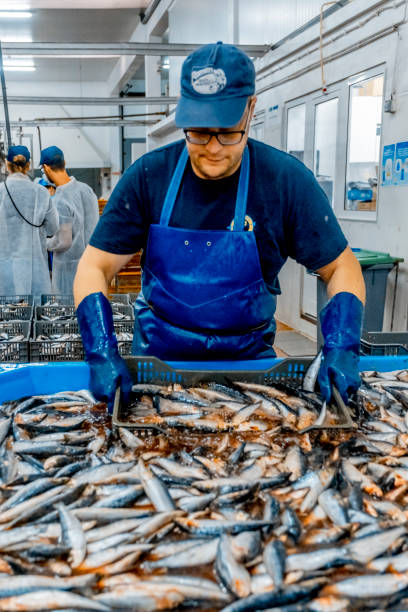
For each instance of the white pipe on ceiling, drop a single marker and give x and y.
(123, 48)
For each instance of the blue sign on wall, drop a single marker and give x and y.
(387, 168)
(401, 164)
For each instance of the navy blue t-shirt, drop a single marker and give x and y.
(287, 209)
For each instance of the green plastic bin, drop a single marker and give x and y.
(375, 267)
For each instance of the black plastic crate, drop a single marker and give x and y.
(133, 297)
(152, 370)
(57, 327)
(120, 298)
(20, 300)
(67, 311)
(56, 350)
(69, 350)
(12, 312)
(384, 343)
(125, 346)
(60, 298)
(16, 351)
(124, 309)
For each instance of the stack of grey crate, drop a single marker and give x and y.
(48, 330)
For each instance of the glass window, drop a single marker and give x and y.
(295, 142)
(257, 131)
(325, 140)
(363, 155)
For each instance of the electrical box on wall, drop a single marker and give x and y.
(389, 105)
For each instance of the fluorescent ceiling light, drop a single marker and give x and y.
(19, 68)
(82, 56)
(26, 61)
(22, 64)
(15, 14)
(12, 38)
(10, 5)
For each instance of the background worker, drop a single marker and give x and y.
(78, 211)
(217, 216)
(27, 217)
(44, 182)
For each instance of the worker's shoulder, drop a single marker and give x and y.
(84, 187)
(38, 188)
(29, 187)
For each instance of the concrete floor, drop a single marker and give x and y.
(290, 343)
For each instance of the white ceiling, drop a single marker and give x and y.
(71, 26)
(21, 5)
(86, 25)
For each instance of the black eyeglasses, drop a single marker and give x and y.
(224, 138)
(199, 137)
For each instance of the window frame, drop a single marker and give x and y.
(288, 106)
(342, 91)
(316, 101)
(362, 215)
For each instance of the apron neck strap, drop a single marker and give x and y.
(242, 193)
(173, 189)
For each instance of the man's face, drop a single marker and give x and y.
(215, 161)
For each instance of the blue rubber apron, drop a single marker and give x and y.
(203, 294)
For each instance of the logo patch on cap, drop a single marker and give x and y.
(208, 80)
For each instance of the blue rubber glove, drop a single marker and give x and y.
(108, 369)
(341, 321)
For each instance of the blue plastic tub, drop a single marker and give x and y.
(19, 380)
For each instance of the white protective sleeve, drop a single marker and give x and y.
(63, 238)
(51, 218)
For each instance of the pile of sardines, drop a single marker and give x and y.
(220, 503)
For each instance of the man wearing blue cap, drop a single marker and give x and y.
(217, 215)
(27, 217)
(78, 211)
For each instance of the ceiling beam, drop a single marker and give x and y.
(68, 101)
(54, 49)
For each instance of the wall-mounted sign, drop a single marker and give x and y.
(401, 163)
(387, 167)
(273, 114)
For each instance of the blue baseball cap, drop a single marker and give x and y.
(216, 81)
(18, 150)
(52, 156)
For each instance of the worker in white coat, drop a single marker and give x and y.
(27, 217)
(78, 211)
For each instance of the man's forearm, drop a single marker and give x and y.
(95, 272)
(348, 280)
(88, 280)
